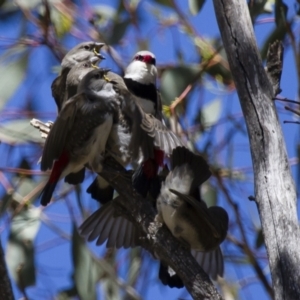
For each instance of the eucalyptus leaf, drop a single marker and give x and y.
(68, 294)
(86, 270)
(209, 194)
(62, 22)
(118, 31)
(211, 112)
(195, 6)
(19, 132)
(20, 255)
(14, 74)
(164, 2)
(105, 11)
(135, 266)
(259, 242)
(175, 80)
(278, 33)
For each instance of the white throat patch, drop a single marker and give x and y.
(141, 72)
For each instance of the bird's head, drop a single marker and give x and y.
(82, 52)
(95, 82)
(142, 68)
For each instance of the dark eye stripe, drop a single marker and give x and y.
(147, 59)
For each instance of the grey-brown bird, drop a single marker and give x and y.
(74, 77)
(188, 218)
(81, 53)
(80, 132)
(106, 224)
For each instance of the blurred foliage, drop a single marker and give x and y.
(197, 90)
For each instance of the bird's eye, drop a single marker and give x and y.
(85, 65)
(139, 57)
(86, 47)
(97, 76)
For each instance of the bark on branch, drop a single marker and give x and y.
(274, 186)
(160, 242)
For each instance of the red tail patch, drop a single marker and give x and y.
(150, 166)
(58, 167)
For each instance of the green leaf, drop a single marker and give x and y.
(105, 12)
(259, 239)
(68, 294)
(118, 31)
(195, 6)
(281, 10)
(135, 266)
(24, 186)
(14, 74)
(175, 80)
(20, 250)
(86, 270)
(164, 2)
(209, 194)
(28, 4)
(256, 8)
(19, 132)
(278, 33)
(5, 202)
(62, 22)
(211, 112)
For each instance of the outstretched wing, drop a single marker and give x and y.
(104, 225)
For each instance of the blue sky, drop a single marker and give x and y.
(55, 261)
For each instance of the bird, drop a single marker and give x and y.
(140, 78)
(108, 224)
(145, 113)
(79, 134)
(74, 77)
(136, 136)
(80, 53)
(179, 207)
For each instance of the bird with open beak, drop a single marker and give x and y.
(80, 132)
(144, 109)
(81, 53)
(74, 77)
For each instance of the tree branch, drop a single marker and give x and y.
(274, 187)
(159, 240)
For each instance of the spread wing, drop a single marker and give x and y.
(104, 225)
(164, 138)
(212, 262)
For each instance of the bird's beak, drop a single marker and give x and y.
(97, 48)
(105, 76)
(93, 61)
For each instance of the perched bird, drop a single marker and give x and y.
(81, 53)
(135, 136)
(107, 224)
(181, 209)
(140, 78)
(74, 77)
(79, 134)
